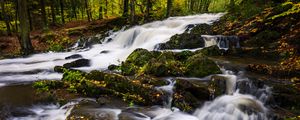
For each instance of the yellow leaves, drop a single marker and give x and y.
(254, 30)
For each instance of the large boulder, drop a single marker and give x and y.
(190, 94)
(200, 66)
(202, 29)
(183, 41)
(135, 60)
(166, 64)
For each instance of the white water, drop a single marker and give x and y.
(121, 45)
(48, 112)
(169, 89)
(227, 107)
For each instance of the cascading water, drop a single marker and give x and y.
(118, 46)
(48, 112)
(169, 89)
(232, 106)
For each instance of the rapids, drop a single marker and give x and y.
(232, 106)
(122, 43)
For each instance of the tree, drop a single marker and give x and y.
(125, 8)
(132, 12)
(232, 5)
(53, 12)
(44, 15)
(6, 19)
(61, 2)
(169, 7)
(100, 10)
(86, 4)
(148, 9)
(25, 43)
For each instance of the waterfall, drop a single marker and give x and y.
(169, 89)
(119, 45)
(232, 106)
(48, 112)
(223, 42)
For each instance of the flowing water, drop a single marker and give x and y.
(231, 106)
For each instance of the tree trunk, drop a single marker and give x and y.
(232, 5)
(112, 8)
(53, 12)
(87, 8)
(16, 17)
(25, 43)
(125, 8)
(148, 9)
(132, 12)
(62, 11)
(6, 20)
(74, 11)
(106, 8)
(44, 15)
(169, 8)
(100, 10)
(29, 17)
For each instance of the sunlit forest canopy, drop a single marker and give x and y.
(53, 12)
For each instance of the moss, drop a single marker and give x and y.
(264, 38)
(163, 68)
(200, 66)
(139, 57)
(114, 67)
(128, 68)
(184, 55)
(46, 85)
(183, 41)
(211, 51)
(202, 29)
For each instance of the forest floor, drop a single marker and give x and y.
(68, 33)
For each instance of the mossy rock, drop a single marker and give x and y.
(139, 57)
(211, 51)
(113, 67)
(202, 29)
(163, 68)
(200, 66)
(189, 95)
(184, 55)
(128, 68)
(264, 38)
(183, 41)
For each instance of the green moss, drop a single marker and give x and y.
(139, 57)
(46, 85)
(202, 29)
(200, 66)
(287, 8)
(210, 51)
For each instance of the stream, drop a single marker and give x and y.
(242, 101)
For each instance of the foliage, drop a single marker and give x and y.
(295, 9)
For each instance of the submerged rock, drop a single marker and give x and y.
(75, 56)
(77, 63)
